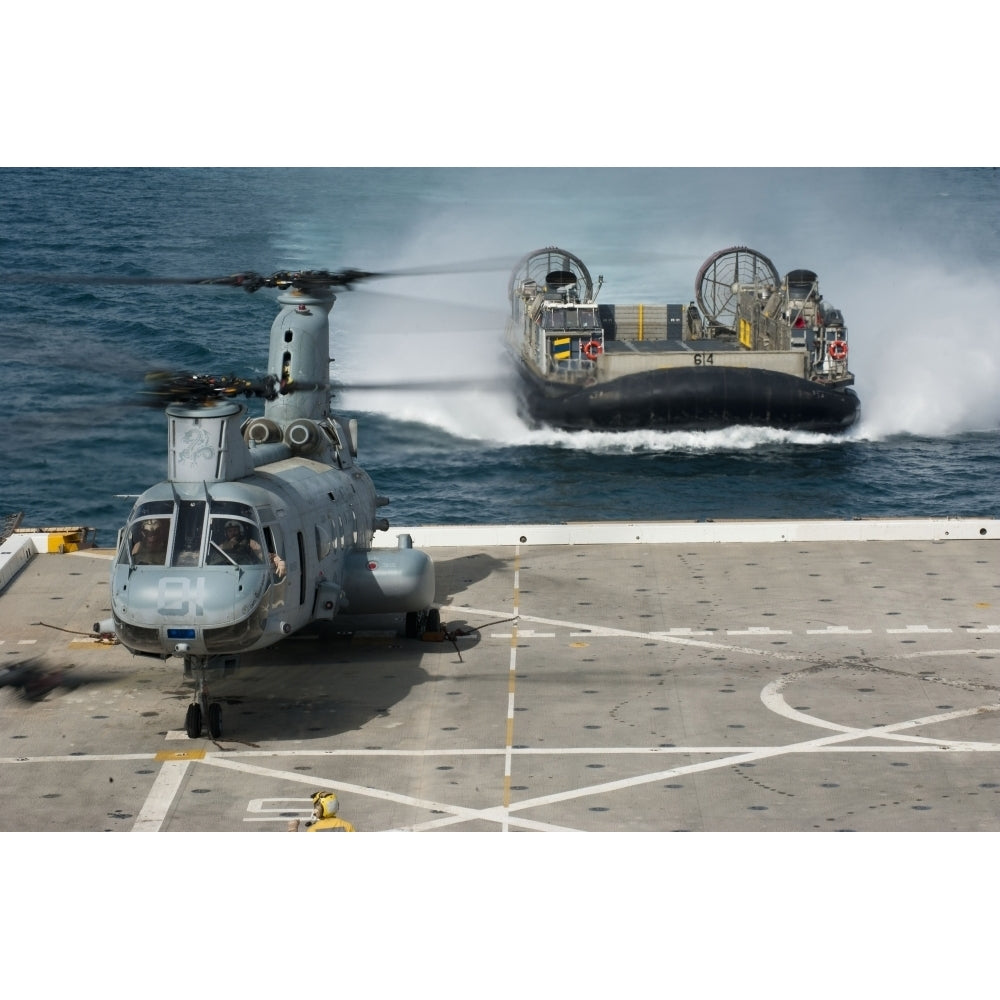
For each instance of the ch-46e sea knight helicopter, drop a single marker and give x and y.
(264, 525)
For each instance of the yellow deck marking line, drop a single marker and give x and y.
(180, 755)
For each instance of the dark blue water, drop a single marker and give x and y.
(909, 256)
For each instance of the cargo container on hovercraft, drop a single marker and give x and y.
(752, 349)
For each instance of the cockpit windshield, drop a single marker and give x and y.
(147, 534)
(234, 537)
(193, 533)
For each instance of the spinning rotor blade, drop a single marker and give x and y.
(163, 387)
(251, 281)
(457, 384)
(459, 267)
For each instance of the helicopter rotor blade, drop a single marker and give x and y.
(457, 384)
(251, 281)
(456, 267)
(164, 386)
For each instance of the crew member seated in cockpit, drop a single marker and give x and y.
(149, 546)
(233, 540)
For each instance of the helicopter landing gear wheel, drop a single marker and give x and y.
(717, 286)
(215, 720)
(201, 711)
(419, 622)
(192, 723)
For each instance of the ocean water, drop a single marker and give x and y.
(910, 256)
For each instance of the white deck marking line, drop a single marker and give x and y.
(921, 654)
(684, 640)
(73, 758)
(600, 630)
(588, 751)
(773, 699)
(227, 763)
(523, 634)
(165, 787)
(838, 630)
(161, 796)
(506, 822)
(806, 746)
(264, 811)
(672, 633)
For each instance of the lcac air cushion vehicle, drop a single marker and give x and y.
(756, 349)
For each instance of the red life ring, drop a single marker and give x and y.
(592, 350)
(838, 350)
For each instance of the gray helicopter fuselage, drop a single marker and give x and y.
(263, 526)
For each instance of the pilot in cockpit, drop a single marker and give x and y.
(234, 540)
(149, 546)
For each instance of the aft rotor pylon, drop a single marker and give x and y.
(718, 283)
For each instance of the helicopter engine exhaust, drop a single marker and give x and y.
(260, 430)
(301, 436)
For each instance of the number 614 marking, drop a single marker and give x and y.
(704, 359)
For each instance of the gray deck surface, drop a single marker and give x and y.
(796, 686)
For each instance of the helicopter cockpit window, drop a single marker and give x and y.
(148, 534)
(187, 539)
(234, 541)
(148, 541)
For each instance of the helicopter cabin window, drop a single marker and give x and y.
(187, 538)
(300, 538)
(148, 534)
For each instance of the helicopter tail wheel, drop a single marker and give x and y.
(717, 285)
(193, 721)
